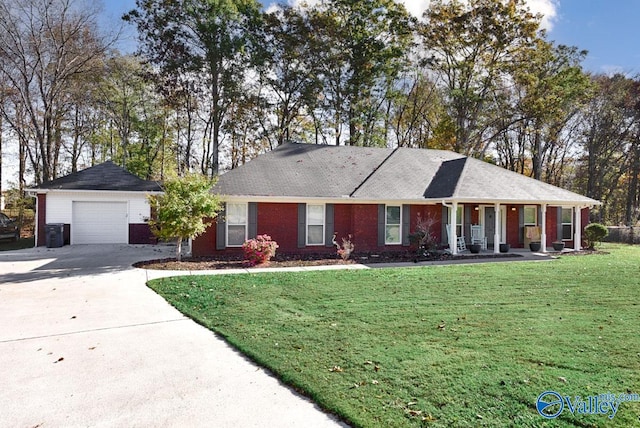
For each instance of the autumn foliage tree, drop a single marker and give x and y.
(184, 209)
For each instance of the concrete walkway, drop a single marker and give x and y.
(84, 343)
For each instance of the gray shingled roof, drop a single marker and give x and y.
(303, 170)
(104, 176)
(365, 173)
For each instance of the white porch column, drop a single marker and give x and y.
(453, 221)
(577, 237)
(496, 229)
(543, 226)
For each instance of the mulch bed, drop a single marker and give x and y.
(285, 260)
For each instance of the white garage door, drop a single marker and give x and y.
(99, 223)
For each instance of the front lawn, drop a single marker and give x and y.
(469, 345)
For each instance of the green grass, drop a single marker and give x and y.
(468, 345)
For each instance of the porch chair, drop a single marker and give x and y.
(462, 246)
(476, 236)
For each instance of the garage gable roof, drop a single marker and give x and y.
(383, 174)
(104, 176)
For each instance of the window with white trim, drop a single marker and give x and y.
(567, 224)
(315, 224)
(530, 215)
(236, 224)
(392, 224)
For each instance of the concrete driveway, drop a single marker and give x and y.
(83, 342)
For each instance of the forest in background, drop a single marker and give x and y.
(217, 82)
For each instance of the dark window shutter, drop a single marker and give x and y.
(381, 223)
(559, 223)
(406, 224)
(253, 220)
(521, 224)
(221, 229)
(302, 225)
(329, 225)
(467, 222)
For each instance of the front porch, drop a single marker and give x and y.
(492, 224)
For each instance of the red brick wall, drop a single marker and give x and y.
(205, 244)
(42, 220)
(280, 221)
(365, 227)
(343, 222)
(140, 233)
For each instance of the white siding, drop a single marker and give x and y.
(60, 204)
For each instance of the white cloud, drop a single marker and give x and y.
(547, 8)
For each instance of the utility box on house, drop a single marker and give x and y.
(55, 235)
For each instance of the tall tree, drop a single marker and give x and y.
(360, 46)
(44, 46)
(288, 72)
(608, 125)
(553, 87)
(473, 45)
(208, 39)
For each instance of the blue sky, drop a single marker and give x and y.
(608, 29)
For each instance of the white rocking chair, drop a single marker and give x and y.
(461, 244)
(476, 236)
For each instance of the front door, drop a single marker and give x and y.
(489, 224)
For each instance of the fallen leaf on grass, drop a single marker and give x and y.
(375, 382)
(429, 418)
(414, 412)
(337, 369)
(562, 379)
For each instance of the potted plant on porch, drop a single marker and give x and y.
(558, 245)
(475, 248)
(504, 248)
(535, 246)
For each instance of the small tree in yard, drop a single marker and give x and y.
(182, 209)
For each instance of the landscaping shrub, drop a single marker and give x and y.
(259, 251)
(423, 239)
(594, 233)
(346, 249)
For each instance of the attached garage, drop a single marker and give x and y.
(104, 204)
